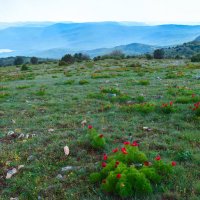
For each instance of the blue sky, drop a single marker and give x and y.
(150, 11)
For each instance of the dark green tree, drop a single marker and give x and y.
(159, 54)
(18, 60)
(68, 59)
(34, 60)
(196, 58)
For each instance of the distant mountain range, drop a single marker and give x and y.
(54, 40)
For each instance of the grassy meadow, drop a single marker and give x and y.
(41, 111)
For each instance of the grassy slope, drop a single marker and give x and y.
(46, 102)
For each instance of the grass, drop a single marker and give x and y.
(47, 105)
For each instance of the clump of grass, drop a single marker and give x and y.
(111, 90)
(83, 82)
(184, 156)
(23, 87)
(4, 94)
(69, 82)
(144, 82)
(24, 67)
(98, 75)
(187, 99)
(41, 92)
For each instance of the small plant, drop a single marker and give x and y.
(41, 92)
(168, 107)
(83, 82)
(69, 82)
(184, 156)
(196, 108)
(139, 107)
(110, 91)
(96, 140)
(144, 82)
(127, 171)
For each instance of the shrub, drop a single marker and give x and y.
(110, 90)
(135, 64)
(83, 82)
(96, 140)
(144, 82)
(18, 60)
(196, 108)
(34, 60)
(167, 108)
(184, 156)
(128, 172)
(24, 67)
(159, 54)
(139, 107)
(195, 58)
(69, 82)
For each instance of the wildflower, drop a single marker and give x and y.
(147, 163)
(158, 157)
(173, 163)
(126, 143)
(171, 103)
(193, 95)
(90, 127)
(118, 176)
(124, 150)
(105, 157)
(101, 136)
(135, 144)
(103, 164)
(115, 150)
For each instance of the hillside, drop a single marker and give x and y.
(186, 50)
(30, 40)
(197, 39)
(147, 103)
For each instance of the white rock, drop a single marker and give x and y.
(10, 133)
(10, 173)
(59, 176)
(21, 135)
(14, 198)
(68, 168)
(51, 130)
(20, 167)
(66, 150)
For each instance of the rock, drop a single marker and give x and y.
(10, 173)
(66, 150)
(198, 77)
(14, 198)
(10, 133)
(68, 168)
(111, 95)
(59, 176)
(20, 167)
(21, 136)
(159, 78)
(30, 158)
(147, 128)
(51, 130)
(13, 121)
(27, 136)
(84, 122)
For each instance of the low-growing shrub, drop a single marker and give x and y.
(184, 156)
(139, 107)
(196, 108)
(24, 67)
(167, 108)
(144, 82)
(110, 90)
(83, 82)
(69, 82)
(96, 140)
(127, 171)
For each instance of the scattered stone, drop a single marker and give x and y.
(66, 150)
(68, 168)
(20, 167)
(198, 77)
(159, 78)
(30, 158)
(27, 136)
(147, 128)
(84, 122)
(21, 136)
(59, 176)
(107, 81)
(33, 135)
(14, 198)
(10, 133)
(111, 95)
(10, 173)
(13, 121)
(51, 130)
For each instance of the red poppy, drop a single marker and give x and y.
(173, 163)
(117, 163)
(147, 163)
(135, 144)
(103, 164)
(193, 95)
(105, 157)
(124, 150)
(101, 135)
(158, 157)
(115, 150)
(171, 103)
(126, 143)
(118, 176)
(90, 127)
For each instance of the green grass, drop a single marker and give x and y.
(47, 105)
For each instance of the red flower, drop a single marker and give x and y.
(105, 157)
(117, 163)
(124, 150)
(173, 163)
(126, 143)
(118, 176)
(147, 163)
(101, 136)
(158, 157)
(115, 150)
(171, 103)
(135, 144)
(90, 127)
(193, 95)
(103, 164)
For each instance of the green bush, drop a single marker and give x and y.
(195, 58)
(83, 82)
(139, 107)
(128, 172)
(96, 140)
(24, 67)
(167, 108)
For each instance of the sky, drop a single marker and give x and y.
(148, 11)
